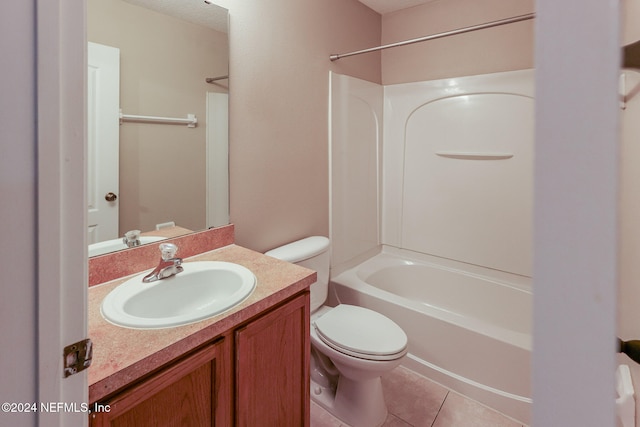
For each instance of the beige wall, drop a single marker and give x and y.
(163, 63)
(505, 48)
(279, 67)
(279, 90)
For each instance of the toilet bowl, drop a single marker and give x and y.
(351, 346)
(361, 354)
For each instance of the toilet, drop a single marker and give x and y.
(351, 346)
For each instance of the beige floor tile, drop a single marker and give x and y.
(412, 398)
(458, 411)
(322, 418)
(393, 421)
(415, 401)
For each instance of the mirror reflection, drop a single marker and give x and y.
(164, 177)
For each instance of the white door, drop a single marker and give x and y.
(103, 94)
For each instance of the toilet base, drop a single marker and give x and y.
(357, 403)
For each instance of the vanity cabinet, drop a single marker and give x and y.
(192, 392)
(256, 374)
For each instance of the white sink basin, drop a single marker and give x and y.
(107, 246)
(202, 290)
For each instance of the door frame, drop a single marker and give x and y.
(61, 64)
(575, 212)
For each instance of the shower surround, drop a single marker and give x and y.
(431, 223)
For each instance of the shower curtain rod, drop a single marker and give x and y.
(518, 18)
(215, 79)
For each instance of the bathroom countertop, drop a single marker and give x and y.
(168, 232)
(123, 355)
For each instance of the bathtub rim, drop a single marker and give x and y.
(517, 281)
(389, 256)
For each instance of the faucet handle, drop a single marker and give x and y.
(132, 238)
(168, 251)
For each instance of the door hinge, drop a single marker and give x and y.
(77, 357)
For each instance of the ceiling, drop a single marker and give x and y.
(386, 6)
(196, 11)
(206, 14)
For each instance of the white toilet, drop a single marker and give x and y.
(351, 347)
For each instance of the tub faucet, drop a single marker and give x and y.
(169, 265)
(131, 238)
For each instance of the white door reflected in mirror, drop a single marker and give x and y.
(103, 90)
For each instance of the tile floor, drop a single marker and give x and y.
(415, 401)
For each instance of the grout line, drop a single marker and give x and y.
(440, 408)
(401, 419)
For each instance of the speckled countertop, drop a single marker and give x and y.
(123, 355)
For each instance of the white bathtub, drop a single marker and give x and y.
(469, 327)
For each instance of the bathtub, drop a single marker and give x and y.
(469, 327)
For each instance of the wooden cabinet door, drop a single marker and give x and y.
(193, 392)
(272, 371)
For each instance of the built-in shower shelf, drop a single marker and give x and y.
(474, 156)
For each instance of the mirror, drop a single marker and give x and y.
(168, 173)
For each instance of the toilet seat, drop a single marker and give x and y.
(360, 332)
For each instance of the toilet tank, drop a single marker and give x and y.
(313, 253)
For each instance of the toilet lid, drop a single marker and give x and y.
(361, 332)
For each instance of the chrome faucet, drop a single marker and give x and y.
(131, 238)
(169, 265)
